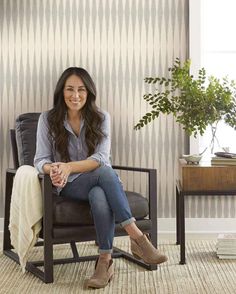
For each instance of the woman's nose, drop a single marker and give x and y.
(76, 94)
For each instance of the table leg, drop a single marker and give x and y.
(177, 217)
(182, 227)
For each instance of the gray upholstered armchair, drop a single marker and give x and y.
(69, 221)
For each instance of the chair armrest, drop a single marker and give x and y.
(11, 171)
(130, 168)
(152, 190)
(46, 186)
(42, 176)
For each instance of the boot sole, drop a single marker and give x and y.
(140, 258)
(99, 286)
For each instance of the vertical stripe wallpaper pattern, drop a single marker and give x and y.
(119, 42)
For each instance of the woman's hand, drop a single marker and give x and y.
(55, 176)
(59, 173)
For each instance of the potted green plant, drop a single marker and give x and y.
(194, 102)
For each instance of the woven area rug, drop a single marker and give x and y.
(203, 273)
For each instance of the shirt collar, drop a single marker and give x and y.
(68, 127)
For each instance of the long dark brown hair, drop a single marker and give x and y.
(93, 118)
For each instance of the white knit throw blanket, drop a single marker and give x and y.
(25, 212)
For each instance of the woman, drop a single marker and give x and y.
(73, 146)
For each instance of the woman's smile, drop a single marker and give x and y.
(75, 93)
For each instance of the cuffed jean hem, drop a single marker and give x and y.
(127, 222)
(105, 250)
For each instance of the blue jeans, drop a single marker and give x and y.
(108, 202)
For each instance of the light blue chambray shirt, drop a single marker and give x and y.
(45, 148)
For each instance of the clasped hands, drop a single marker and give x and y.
(59, 173)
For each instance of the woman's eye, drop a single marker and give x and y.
(82, 90)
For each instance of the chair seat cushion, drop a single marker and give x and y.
(72, 212)
(79, 233)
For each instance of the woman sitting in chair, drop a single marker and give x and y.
(73, 146)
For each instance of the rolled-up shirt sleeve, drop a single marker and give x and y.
(43, 152)
(102, 151)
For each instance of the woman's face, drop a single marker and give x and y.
(75, 93)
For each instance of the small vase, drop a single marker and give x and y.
(192, 159)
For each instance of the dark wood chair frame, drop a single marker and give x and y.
(48, 240)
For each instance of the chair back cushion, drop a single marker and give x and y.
(26, 129)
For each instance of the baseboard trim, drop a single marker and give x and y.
(199, 225)
(192, 225)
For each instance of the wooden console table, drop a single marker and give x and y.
(200, 180)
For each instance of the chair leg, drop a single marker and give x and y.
(153, 237)
(8, 191)
(48, 261)
(121, 253)
(47, 229)
(153, 210)
(74, 250)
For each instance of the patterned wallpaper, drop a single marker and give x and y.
(119, 42)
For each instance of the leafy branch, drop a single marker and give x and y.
(194, 104)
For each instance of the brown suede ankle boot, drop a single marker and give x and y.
(142, 248)
(102, 275)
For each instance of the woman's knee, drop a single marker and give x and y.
(97, 198)
(106, 173)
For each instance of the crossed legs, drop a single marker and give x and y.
(109, 205)
(104, 221)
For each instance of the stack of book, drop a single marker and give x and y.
(224, 158)
(226, 246)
